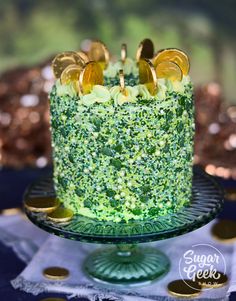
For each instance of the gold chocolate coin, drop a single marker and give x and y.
(216, 280)
(53, 299)
(224, 231)
(83, 56)
(60, 215)
(184, 288)
(90, 76)
(230, 194)
(169, 70)
(174, 55)
(11, 211)
(42, 204)
(122, 80)
(123, 53)
(56, 273)
(145, 50)
(98, 52)
(70, 74)
(147, 75)
(64, 59)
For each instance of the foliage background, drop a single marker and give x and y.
(31, 31)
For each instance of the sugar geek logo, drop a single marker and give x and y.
(201, 262)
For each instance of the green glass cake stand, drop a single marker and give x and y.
(126, 263)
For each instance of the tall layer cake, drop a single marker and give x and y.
(122, 133)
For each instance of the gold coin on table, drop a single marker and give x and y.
(184, 288)
(71, 75)
(122, 81)
(42, 204)
(224, 231)
(147, 75)
(174, 55)
(64, 59)
(230, 194)
(123, 53)
(169, 70)
(53, 299)
(11, 211)
(83, 56)
(90, 76)
(98, 52)
(145, 50)
(213, 281)
(60, 215)
(56, 273)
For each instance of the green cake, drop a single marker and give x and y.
(122, 142)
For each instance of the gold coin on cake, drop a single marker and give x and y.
(169, 70)
(213, 280)
(224, 231)
(53, 299)
(90, 76)
(174, 55)
(60, 215)
(123, 53)
(64, 59)
(71, 74)
(42, 204)
(56, 273)
(98, 52)
(145, 50)
(147, 75)
(83, 56)
(122, 80)
(184, 288)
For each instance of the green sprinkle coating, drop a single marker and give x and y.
(123, 162)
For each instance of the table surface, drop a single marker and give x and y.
(12, 186)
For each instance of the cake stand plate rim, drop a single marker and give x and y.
(206, 204)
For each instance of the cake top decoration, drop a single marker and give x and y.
(174, 55)
(122, 81)
(83, 56)
(169, 70)
(64, 59)
(145, 50)
(147, 75)
(98, 52)
(70, 74)
(90, 76)
(123, 54)
(150, 73)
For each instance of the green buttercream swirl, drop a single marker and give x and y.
(63, 90)
(128, 95)
(132, 94)
(129, 67)
(98, 94)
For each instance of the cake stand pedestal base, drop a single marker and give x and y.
(126, 265)
(129, 264)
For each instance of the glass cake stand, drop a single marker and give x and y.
(127, 263)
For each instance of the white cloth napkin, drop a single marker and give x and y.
(22, 236)
(71, 254)
(232, 287)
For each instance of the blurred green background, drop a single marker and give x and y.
(31, 31)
